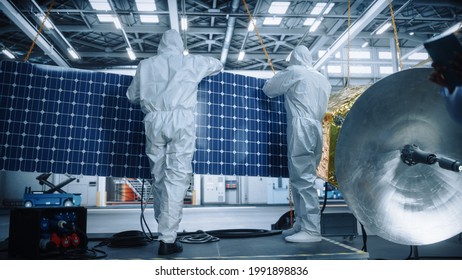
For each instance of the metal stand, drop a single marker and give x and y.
(415, 250)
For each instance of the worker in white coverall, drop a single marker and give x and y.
(165, 86)
(306, 94)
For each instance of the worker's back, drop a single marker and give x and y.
(309, 95)
(169, 80)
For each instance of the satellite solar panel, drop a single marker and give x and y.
(80, 122)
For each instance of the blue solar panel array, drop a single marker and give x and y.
(80, 122)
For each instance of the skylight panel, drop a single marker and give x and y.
(316, 24)
(319, 7)
(149, 19)
(146, 5)
(329, 8)
(272, 21)
(309, 21)
(100, 5)
(278, 8)
(105, 18)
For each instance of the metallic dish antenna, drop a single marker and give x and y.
(398, 162)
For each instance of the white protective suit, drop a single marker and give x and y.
(165, 86)
(306, 94)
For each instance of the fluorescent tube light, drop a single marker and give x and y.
(184, 23)
(383, 28)
(8, 53)
(131, 54)
(73, 53)
(241, 55)
(117, 23)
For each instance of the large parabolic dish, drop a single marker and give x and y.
(406, 204)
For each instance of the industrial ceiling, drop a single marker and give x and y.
(216, 28)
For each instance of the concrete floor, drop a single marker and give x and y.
(115, 219)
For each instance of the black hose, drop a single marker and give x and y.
(242, 233)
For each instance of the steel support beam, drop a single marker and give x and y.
(372, 12)
(28, 29)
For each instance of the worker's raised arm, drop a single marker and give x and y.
(279, 84)
(133, 91)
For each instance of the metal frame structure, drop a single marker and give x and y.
(218, 28)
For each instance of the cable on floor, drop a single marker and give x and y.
(199, 237)
(242, 233)
(364, 235)
(125, 239)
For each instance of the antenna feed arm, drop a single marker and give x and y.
(412, 154)
(449, 164)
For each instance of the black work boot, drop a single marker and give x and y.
(169, 248)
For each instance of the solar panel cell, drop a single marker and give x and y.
(73, 121)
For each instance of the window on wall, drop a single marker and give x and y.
(418, 56)
(322, 52)
(334, 69)
(360, 69)
(385, 70)
(360, 54)
(384, 55)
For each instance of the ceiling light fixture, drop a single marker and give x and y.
(184, 23)
(383, 28)
(8, 53)
(47, 24)
(241, 55)
(73, 53)
(117, 23)
(131, 54)
(147, 6)
(252, 25)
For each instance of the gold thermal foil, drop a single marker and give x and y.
(339, 105)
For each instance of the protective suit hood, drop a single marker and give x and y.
(301, 56)
(171, 43)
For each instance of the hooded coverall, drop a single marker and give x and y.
(165, 86)
(306, 95)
